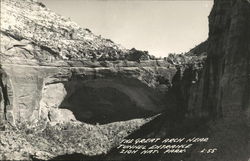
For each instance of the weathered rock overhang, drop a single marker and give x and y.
(40, 91)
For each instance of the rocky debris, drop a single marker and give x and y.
(46, 142)
(62, 38)
(52, 37)
(184, 60)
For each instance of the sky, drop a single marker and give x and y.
(158, 26)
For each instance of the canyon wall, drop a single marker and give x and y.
(227, 78)
(53, 66)
(54, 70)
(59, 82)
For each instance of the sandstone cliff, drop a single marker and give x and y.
(46, 66)
(56, 77)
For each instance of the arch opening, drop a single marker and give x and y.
(102, 100)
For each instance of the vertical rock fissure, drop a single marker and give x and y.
(6, 101)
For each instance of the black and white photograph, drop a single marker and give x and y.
(125, 80)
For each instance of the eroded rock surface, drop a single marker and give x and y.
(56, 77)
(50, 59)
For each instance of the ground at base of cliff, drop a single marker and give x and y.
(64, 138)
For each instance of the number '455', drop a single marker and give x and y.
(208, 150)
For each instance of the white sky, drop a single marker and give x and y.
(161, 27)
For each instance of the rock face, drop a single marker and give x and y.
(227, 76)
(53, 64)
(56, 76)
(54, 72)
(36, 28)
(222, 90)
(48, 59)
(226, 79)
(228, 58)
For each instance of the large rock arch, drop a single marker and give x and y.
(101, 100)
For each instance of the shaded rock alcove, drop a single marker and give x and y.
(101, 100)
(109, 100)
